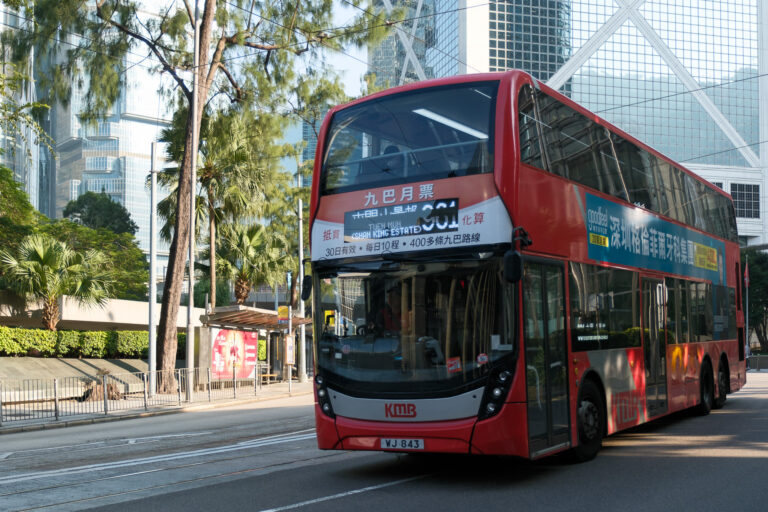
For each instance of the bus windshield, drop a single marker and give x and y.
(441, 325)
(413, 136)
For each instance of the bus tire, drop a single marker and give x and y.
(723, 385)
(706, 389)
(591, 422)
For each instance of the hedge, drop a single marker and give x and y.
(91, 344)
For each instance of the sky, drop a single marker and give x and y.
(352, 64)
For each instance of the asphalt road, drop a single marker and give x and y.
(262, 457)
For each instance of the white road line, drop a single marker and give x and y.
(167, 436)
(344, 494)
(245, 445)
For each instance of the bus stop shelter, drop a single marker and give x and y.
(246, 318)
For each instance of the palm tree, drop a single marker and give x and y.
(233, 176)
(46, 269)
(250, 256)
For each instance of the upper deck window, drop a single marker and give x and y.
(426, 134)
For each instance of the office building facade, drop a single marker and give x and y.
(689, 78)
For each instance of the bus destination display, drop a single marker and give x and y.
(420, 218)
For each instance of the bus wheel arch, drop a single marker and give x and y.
(591, 418)
(706, 388)
(723, 382)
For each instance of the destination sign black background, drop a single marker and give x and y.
(419, 218)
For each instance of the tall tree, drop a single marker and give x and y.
(758, 294)
(17, 215)
(250, 256)
(100, 211)
(249, 53)
(44, 269)
(238, 161)
(127, 263)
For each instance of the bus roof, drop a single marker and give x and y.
(517, 78)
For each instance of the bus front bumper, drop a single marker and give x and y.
(503, 434)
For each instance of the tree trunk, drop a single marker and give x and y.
(169, 311)
(50, 313)
(166, 337)
(295, 287)
(242, 288)
(761, 336)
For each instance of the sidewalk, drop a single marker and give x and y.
(33, 406)
(266, 393)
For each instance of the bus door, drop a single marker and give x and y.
(654, 345)
(545, 356)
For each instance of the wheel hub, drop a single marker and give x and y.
(589, 418)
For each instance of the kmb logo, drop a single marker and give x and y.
(400, 410)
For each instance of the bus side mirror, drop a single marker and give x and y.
(306, 288)
(513, 266)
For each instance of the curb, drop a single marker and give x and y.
(118, 416)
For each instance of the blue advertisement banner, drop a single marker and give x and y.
(630, 236)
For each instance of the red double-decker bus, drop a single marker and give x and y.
(497, 270)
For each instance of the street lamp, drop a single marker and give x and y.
(152, 270)
(302, 359)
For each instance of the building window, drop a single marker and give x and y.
(746, 200)
(718, 184)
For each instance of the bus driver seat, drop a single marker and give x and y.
(392, 161)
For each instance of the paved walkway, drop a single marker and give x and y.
(270, 392)
(13, 369)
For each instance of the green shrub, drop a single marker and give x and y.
(15, 341)
(21, 342)
(181, 351)
(68, 343)
(93, 344)
(131, 344)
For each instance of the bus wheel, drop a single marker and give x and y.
(706, 389)
(591, 421)
(722, 386)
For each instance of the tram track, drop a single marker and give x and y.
(87, 491)
(207, 478)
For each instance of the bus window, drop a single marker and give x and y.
(673, 311)
(412, 136)
(604, 308)
(530, 131)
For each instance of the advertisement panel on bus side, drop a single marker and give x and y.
(430, 215)
(631, 236)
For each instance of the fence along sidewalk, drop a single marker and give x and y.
(52, 399)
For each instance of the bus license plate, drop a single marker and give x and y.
(402, 444)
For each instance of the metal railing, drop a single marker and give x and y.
(757, 362)
(40, 399)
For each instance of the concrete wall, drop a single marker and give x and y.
(115, 315)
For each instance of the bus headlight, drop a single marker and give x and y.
(323, 399)
(495, 393)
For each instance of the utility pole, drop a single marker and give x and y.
(152, 271)
(302, 359)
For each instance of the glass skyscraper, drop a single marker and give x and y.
(112, 155)
(401, 57)
(687, 77)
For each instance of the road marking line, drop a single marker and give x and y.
(166, 436)
(344, 494)
(256, 443)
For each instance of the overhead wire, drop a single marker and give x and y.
(149, 56)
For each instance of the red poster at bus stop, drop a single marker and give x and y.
(231, 348)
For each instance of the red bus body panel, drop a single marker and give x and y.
(550, 208)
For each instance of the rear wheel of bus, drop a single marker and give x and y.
(723, 384)
(591, 422)
(706, 389)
